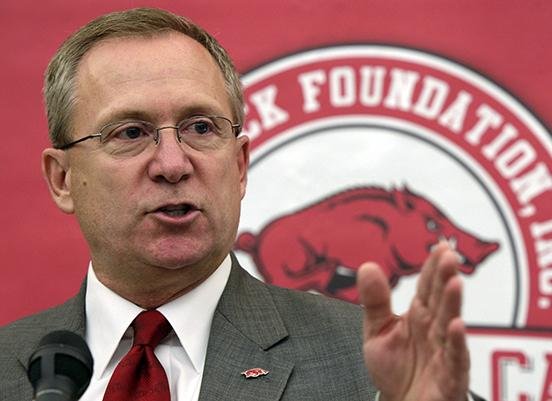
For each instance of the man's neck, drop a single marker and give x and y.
(150, 287)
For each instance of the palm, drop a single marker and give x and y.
(421, 355)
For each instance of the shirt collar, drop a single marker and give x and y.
(108, 316)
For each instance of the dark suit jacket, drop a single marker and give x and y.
(310, 344)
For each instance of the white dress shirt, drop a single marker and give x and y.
(182, 353)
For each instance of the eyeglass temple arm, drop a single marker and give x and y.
(71, 144)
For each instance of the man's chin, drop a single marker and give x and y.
(175, 261)
(173, 254)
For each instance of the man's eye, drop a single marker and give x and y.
(201, 127)
(129, 132)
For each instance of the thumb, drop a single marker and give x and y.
(375, 296)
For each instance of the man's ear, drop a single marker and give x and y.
(56, 171)
(243, 161)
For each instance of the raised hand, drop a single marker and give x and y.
(422, 355)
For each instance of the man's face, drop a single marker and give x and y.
(124, 205)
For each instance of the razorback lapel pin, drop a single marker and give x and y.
(255, 372)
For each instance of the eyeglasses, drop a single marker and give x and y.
(129, 138)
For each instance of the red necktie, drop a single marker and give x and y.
(139, 376)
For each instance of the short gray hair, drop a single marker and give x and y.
(60, 77)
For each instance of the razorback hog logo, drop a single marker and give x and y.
(321, 246)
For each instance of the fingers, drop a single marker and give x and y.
(437, 308)
(439, 295)
(444, 302)
(375, 296)
(440, 267)
(456, 350)
(448, 310)
(456, 361)
(427, 275)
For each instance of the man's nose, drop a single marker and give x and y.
(170, 161)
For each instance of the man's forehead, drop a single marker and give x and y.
(130, 72)
(148, 60)
(153, 48)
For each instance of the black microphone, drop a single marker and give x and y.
(61, 367)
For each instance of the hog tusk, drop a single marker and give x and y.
(452, 242)
(345, 271)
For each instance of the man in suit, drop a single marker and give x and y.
(144, 112)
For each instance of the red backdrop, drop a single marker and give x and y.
(44, 256)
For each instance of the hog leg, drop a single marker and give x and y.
(300, 266)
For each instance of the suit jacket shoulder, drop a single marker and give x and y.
(19, 339)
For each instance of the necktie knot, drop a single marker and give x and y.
(139, 376)
(150, 327)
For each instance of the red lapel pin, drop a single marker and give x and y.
(255, 372)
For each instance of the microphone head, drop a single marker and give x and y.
(62, 359)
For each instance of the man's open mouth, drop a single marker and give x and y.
(176, 210)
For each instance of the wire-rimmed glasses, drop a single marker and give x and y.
(129, 138)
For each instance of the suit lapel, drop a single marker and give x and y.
(245, 326)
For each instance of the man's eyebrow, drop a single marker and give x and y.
(200, 110)
(185, 112)
(121, 115)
